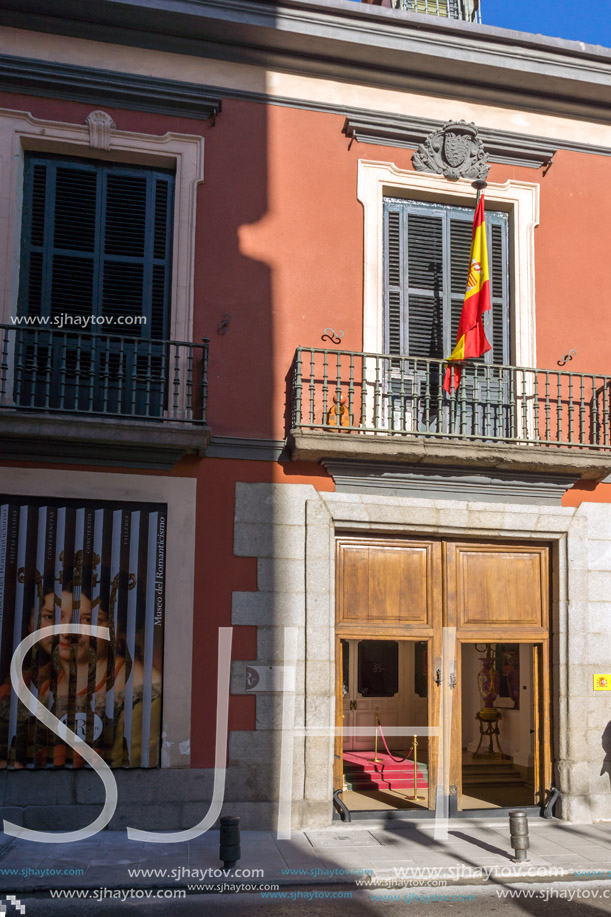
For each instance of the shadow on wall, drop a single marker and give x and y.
(234, 307)
(234, 289)
(606, 744)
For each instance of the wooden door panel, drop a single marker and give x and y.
(338, 768)
(354, 569)
(386, 601)
(434, 713)
(497, 592)
(387, 588)
(541, 722)
(537, 704)
(546, 714)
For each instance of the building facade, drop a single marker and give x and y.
(235, 246)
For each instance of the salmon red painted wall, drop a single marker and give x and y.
(308, 245)
(279, 248)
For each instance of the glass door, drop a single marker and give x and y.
(370, 683)
(385, 682)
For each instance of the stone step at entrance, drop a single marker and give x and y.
(490, 774)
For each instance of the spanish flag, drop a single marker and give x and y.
(470, 338)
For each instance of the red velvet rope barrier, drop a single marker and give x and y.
(398, 760)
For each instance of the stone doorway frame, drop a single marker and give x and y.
(328, 515)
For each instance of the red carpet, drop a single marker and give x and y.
(362, 774)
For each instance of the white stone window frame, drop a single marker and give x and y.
(377, 180)
(180, 496)
(97, 138)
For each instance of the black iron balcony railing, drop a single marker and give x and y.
(381, 394)
(102, 375)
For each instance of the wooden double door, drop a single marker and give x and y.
(447, 593)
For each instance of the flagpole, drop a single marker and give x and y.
(479, 184)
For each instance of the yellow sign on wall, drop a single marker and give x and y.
(602, 682)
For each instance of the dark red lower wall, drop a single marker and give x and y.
(217, 575)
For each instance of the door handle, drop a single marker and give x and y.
(353, 705)
(452, 677)
(437, 679)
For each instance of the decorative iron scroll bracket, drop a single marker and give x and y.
(566, 358)
(330, 335)
(454, 150)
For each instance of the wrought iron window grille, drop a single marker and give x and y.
(103, 375)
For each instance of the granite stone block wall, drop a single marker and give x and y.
(290, 529)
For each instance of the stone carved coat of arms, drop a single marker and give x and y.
(455, 150)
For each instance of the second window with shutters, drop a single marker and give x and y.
(427, 262)
(427, 249)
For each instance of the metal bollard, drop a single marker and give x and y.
(518, 831)
(230, 851)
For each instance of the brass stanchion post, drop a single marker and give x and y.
(376, 760)
(415, 747)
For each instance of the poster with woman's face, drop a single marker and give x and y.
(90, 563)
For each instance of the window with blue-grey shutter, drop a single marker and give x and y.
(427, 262)
(427, 250)
(97, 245)
(97, 240)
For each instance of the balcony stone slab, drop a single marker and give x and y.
(114, 441)
(574, 463)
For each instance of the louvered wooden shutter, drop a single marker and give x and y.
(498, 326)
(96, 240)
(426, 267)
(395, 320)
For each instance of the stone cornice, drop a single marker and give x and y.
(79, 439)
(486, 457)
(246, 448)
(448, 482)
(501, 146)
(176, 97)
(346, 40)
(107, 87)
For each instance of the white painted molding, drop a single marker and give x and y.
(20, 131)
(180, 496)
(521, 199)
(100, 127)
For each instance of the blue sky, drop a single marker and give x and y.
(581, 20)
(586, 20)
